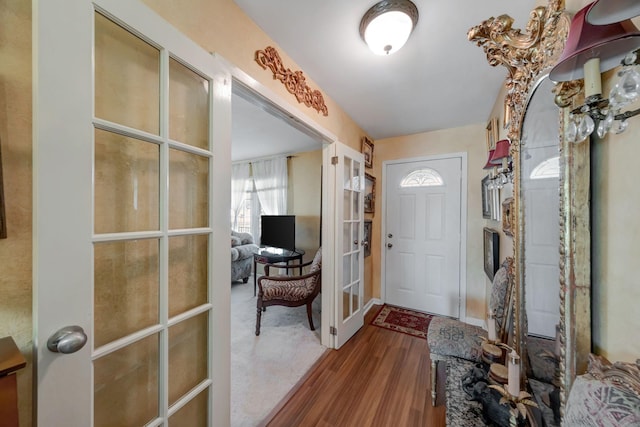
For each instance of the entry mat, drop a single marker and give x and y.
(403, 320)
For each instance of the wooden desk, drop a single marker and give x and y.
(270, 255)
(11, 360)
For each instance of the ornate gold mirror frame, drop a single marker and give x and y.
(527, 56)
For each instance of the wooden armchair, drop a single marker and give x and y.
(290, 291)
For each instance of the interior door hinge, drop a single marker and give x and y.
(333, 330)
(334, 160)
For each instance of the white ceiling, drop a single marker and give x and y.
(257, 133)
(438, 80)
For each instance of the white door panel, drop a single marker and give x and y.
(541, 202)
(423, 226)
(125, 235)
(349, 262)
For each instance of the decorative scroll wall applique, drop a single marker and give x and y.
(294, 81)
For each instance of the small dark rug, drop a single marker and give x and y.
(403, 320)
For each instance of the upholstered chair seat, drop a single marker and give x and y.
(290, 291)
(450, 339)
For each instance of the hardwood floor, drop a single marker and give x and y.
(378, 378)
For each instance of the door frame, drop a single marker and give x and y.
(463, 223)
(291, 114)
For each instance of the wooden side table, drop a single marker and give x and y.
(11, 361)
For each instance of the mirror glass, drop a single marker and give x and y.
(539, 201)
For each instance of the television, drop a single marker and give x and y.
(278, 231)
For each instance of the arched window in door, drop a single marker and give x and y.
(549, 168)
(422, 178)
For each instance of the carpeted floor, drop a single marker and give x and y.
(265, 368)
(403, 320)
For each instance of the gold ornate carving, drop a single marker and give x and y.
(524, 55)
(294, 81)
(626, 375)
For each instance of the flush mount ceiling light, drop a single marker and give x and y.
(387, 25)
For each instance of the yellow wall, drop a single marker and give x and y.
(15, 139)
(615, 249)
(469, 139)
(305, 179)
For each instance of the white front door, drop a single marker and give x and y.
(542, 236)
(423, 235)
(540, 201)
(349, 250)
(131, 148)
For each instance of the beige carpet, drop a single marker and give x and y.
(265, 368)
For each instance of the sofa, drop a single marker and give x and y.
(608, 395)
(242, 250)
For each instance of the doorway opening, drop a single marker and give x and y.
(264, 368)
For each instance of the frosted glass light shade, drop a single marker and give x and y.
(387, 25)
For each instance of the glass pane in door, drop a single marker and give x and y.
(126, 184)
(126, 288)
(188, 190)
(188, 272)
(347, 308)
(187, 355)
(126, 385)
(193, 414)
(189, 106)
(127, 78)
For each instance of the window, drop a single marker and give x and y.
(549, 168)
(422, 178)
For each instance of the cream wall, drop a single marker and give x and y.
(15, 139)
(305, 196)
(468, 139)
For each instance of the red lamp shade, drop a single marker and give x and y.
(489, 165)
(610, 43)
(605, 12)
(501, 152)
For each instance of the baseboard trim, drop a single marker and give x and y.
(475, 321)
(294, 389)
(371, 303)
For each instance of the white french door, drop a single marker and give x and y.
(423, 227)
(349, 248)
(131, 145)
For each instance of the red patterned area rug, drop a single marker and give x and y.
(403, 320)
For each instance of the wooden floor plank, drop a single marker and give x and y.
(378, 378)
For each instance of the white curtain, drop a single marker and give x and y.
(239, 180)
(270, 179)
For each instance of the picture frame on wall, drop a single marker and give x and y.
(368, 224)
(367, 150)
(507, 216)
(491, 246)
(369, 193)
(492, 134)
(487, 201)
